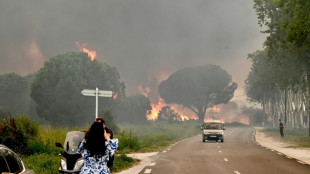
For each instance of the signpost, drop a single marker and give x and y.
(100, 93)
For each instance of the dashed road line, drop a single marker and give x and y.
(220, 151)
(301, 162)
(236, 172)
(147, 170)
(152, 164)
(218, 146)
(225, 159)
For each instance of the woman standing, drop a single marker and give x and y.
(95, 151)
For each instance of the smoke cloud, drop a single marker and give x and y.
(145, 40)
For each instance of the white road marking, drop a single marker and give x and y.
(301, 162)
(152, 164)
(236, 172)
(225, 159)
(218, 146)
(147, 170)
(164, 151)
(232, 131)
(220, 151)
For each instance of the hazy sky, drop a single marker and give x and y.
(143, 39)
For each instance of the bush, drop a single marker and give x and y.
(128, 143)
(12, 136)
(122, 162)
(29, 127)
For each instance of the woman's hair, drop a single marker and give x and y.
(95, 142)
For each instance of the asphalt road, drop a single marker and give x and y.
(238, 154)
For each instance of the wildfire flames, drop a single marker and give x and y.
(157, 106)
(82, 47)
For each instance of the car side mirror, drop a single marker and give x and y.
(59, 145)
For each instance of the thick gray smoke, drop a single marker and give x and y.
(142, 39)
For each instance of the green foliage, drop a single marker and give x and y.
(134, 109)
(14, 93)
(198, 88)
(122, 162)
(128, 143)
(17, 131)
(57, 88)
(109, 119)
(43, 163)
(158, 136)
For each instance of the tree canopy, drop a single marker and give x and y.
(198, 88)
(166, 114)
(133, 109)
(14, 93)
(57, 88)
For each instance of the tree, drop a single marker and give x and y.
(134, 109)
(166, 114)
(14, 93)
(109, 120)
(198, 88)
(57, 88)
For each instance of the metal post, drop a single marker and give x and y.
(96, 103)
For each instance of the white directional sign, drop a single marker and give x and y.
(101, 93)
(97, 93)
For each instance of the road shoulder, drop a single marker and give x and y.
(301, 154)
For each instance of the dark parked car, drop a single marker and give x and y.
(11, 163)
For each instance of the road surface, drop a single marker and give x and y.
(239, 154)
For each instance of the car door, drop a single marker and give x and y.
(13, 161)
(3, 165)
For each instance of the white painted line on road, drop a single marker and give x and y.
(225, 159)
(164, 151)
(301, 162)
(152, 164)
(220, 151)
(236, 172)
(218, 146)
(147, 170)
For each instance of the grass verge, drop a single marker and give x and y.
(299, 137)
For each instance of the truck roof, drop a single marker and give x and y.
(213, 121)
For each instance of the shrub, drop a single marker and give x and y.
(122, 162)
(128, 143)
(12, 136)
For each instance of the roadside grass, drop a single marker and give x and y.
(157, 136)
(44, 156)
(298, 137)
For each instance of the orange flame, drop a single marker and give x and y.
(91, 54)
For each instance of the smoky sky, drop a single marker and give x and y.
(143, 39)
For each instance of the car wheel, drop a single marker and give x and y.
(222, 141)
(203, 140)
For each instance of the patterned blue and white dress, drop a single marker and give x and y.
(97, 166)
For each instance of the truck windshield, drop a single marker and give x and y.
(212, 126)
